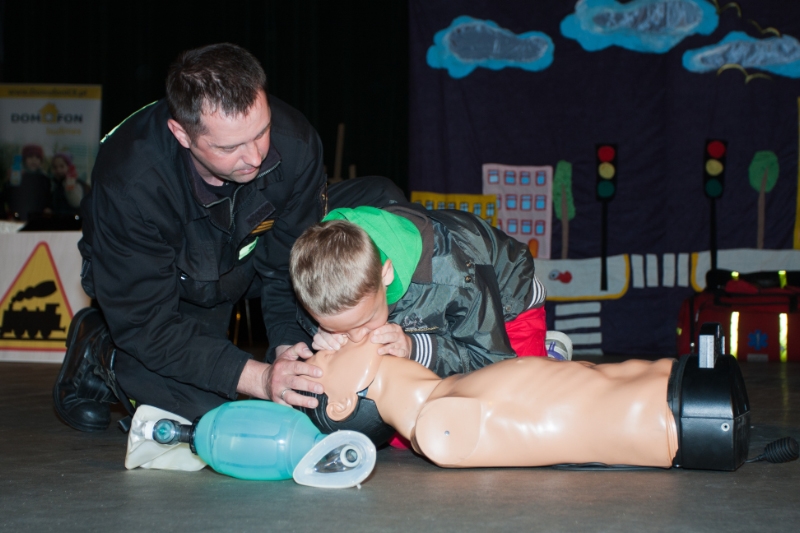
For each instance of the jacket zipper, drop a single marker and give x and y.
(273, 167)
(233, 202)
(232, 199)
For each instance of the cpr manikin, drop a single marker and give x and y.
(535, 411)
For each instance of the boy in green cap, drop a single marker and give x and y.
(457, 293)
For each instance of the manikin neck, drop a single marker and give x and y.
(400, 389)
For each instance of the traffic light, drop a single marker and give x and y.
(606, 171)
(714, 168)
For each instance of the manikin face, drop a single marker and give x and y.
(233, 147)
(345, 372)
(370, 313)
(59, 167)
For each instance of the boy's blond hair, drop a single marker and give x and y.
(333, 266)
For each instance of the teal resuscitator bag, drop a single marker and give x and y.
(254, 439)
(261, 440)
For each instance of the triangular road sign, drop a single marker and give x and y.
(34, 313)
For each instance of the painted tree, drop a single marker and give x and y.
(763, 171)
(563, 205)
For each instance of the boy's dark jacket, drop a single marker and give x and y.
(470, 280)
(166, 258)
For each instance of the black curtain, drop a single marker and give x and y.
(343, 61)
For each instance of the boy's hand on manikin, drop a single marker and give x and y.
(324, 340)
(395, 341)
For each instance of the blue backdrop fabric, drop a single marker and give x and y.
(482, 90)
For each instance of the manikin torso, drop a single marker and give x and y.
(529, 411)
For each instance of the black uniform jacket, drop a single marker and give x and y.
(166, 258)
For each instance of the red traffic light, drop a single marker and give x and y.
(606, 153)
(715, 149)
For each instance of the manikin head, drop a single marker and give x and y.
(346, 373)
(218, 101)
(338, 277)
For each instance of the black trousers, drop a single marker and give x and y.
(147, 387)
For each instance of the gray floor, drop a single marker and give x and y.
(55, 479)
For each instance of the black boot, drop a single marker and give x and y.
(86, 385)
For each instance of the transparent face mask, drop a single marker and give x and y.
(340, 460)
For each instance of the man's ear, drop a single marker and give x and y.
(341, 409)
(387, 273)
(179, 133)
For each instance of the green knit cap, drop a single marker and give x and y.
(395, 237)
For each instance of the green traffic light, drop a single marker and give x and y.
(605, 189)
(713, 188)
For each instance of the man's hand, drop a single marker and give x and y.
(328, 341)
(395, 341)
(279, 381)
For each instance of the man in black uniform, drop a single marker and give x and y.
(196, 202)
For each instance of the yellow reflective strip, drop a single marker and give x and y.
(783, 335)
(735, 334)
(782, 277)
(734, 275)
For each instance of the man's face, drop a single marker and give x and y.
(233, 147)
(358, 322)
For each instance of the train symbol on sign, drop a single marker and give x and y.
(20, 321)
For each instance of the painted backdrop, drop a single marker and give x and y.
(668, 128)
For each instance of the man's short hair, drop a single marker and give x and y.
(218, 77)
(333, 266)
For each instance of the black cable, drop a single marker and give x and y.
(599, 467)
(780, 451)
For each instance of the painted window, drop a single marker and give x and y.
(511, 201)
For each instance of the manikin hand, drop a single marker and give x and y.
(394, 340)
(324, 340)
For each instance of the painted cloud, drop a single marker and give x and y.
(470, 43)
(641, 25)
(778, 55)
